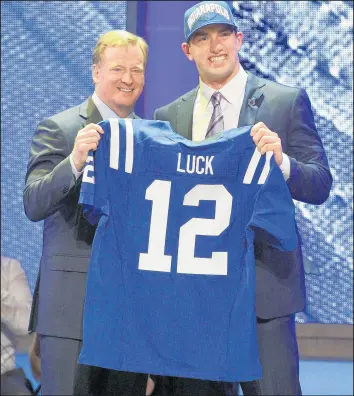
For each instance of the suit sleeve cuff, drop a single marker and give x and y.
(76, 173)
(285, 167)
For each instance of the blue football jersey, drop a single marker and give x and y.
(171, 281)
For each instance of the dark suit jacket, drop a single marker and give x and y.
(287, 111)
(51, 194)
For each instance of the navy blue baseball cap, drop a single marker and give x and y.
(207, 13)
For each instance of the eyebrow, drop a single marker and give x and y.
(113, 65)
(201, 32)
(226, 29)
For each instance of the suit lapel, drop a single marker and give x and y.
(252, 100)
(90, 113)
(185, 114)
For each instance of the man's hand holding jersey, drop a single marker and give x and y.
(86, 139)
(267, 140)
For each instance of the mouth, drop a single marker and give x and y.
(217, 59)
(126, 90)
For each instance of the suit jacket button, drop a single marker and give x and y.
(65, 189)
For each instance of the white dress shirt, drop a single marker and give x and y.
(106, 113)
(16, 300)
(233, 94)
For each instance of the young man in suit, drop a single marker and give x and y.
(283, 123)
(58, 153)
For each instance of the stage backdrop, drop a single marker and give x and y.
(46, 49)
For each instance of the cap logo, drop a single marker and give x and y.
(204, 9)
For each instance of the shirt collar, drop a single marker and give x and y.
(105, 111)
(231, 91)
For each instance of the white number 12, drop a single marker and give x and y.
(159, 193)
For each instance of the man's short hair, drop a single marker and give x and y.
(118, 38)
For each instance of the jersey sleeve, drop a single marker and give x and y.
(93, 193)
(274, 211)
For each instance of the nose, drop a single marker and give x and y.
(127, 77)
(215, 45)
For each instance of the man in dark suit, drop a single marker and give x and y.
(58, 153)
(226, 98)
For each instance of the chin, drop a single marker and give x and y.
(219, 76)
(125, 100)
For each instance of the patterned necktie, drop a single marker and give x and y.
(216, 124)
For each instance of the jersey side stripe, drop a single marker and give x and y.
(266, 168)
(252, 167)
(129, 153)
(114, 148)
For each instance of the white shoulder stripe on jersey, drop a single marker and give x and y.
(129, 152)
(252, 166)
(114, 144)
(266, 168)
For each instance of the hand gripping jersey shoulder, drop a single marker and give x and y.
(171, 284)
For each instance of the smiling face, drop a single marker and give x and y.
(215, 48)
(119, 77)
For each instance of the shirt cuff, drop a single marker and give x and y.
(76, 173)
(285, 167)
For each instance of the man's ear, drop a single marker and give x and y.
(95, 72)
(239, 37)
(186, 49)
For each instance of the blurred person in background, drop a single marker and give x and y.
(16, 300)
